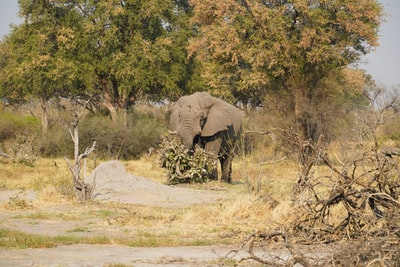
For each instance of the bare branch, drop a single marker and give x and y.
(85, 189)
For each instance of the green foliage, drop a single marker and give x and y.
(184, 166)
(12, 125)
(250, 48)
(117, 51)
(129, 137)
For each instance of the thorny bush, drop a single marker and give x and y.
(182, 164)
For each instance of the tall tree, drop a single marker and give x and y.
(138, 48)
(34, 56)
(117, 51)
(252, 46)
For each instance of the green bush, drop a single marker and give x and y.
(126, 138)
(18, 137)
(184, 166)
(56, 142)
(12, 125)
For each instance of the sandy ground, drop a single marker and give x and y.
(113, 184)
(103, 255)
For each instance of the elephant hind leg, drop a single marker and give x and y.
(226, 168)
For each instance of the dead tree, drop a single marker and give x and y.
(85, 190)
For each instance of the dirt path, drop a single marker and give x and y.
(103, 255)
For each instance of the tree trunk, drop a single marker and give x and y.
(44, 115)
(305, 126)
(107, 103)
(85, 189)
(300, 104)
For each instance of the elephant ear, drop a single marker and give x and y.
(222, 115)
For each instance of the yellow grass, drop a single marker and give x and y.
(20, 176)
(147, 167)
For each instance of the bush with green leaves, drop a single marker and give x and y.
(13, 124)
(183, 165)
(129, 136)
(125, 138)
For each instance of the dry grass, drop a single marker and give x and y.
(224, 223)
(147, 167)
(44, 172)
(260, 177)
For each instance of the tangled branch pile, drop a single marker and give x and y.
(182, 164)
(356, 200)
(359, 198)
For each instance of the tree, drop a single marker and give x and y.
(251, 47)
(34, 57)
(138, 49)
(115, 52)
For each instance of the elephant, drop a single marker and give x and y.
(210, 122)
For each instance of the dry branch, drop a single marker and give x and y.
(256, 237)
(352, 201)
(84, 189)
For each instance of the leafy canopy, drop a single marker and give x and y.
(119, 51)
(250, 46)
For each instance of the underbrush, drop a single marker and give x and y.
(13, 124)
(130, 136)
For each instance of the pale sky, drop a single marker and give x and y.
(383, 64)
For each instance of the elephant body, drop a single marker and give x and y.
(210, 122)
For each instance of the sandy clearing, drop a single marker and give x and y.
(102, 255)
(113, 184)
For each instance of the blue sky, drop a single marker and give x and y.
(383, 64)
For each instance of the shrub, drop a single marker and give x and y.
(18, 133)
(12, 125)
(126, 138)
(129, 137)
(184, 166)
(56, 142)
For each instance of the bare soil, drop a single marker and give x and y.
(115, 184)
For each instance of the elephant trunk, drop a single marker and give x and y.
(189, 129)
(187, 138)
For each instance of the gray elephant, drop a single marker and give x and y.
(210, 122)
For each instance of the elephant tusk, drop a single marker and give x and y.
(172, 132)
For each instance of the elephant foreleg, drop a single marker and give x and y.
(214, 147)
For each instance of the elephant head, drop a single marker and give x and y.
(202, 115)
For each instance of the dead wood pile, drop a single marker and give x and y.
(355, 200)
